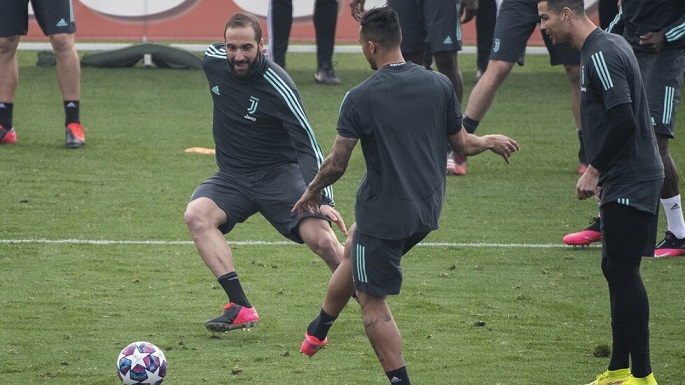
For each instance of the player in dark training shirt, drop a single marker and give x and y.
(624, 170)
(267, 154)
(399, 199)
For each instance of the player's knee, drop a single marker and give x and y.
(328, 248)
(8, 45)
(62, 43)
(196, 218)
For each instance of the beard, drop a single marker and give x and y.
(243, 67)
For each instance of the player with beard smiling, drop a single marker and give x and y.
(267, 155)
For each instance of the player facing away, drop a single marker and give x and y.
(267, 154)
(624, 169)
(400, 198)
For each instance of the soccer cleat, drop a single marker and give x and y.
(670, 246)
(649, 380)
(311, 345)
(233, 317)
(456, 164)
(75, 137)
(612, 377)
(7, 136)
(591, 234)
(325, 75)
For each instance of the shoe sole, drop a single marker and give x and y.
(74, 145)
(219, 327)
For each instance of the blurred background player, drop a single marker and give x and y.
(516, 21)
(280, 21)
(656, 32)
(486, 16)
(56, 19)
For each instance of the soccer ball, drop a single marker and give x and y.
(141, 363)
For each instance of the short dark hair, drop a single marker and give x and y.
(577, 6)
(381, 25)
(242, 20)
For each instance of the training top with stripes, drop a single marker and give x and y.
(610, 76)
(642, 16)
(259, 120)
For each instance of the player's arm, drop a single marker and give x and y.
(617, 22)
(469, 144)
(655, 41)
(332, 168)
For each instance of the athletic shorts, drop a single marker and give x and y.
(633, 218)
(516, 22)
(662, 74)
(53, 16)
(435, 22)
(376, 266)
(272, 192)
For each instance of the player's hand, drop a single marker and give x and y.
(652, 41)
(309, 202)
(503, 146)
(468, 10)
(357, 9)
(334, 216)
(587, 185)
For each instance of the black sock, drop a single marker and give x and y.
(398, 376)
(6, 115)
(71, 112)
(233, 289)
(320, 326)
(469, 124)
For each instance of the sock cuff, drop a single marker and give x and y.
(671, 200)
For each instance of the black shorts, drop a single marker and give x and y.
(516, 22)
(376, 266)
(662, 74)
(272, 192)
(435, 22)
(53, 16)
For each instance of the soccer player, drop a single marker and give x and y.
(656, 31)
(56, 19)
(433, 25)
(267, 153)
(400, 197)
(625, 170)
(515, 23)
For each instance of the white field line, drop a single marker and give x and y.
(265, 243)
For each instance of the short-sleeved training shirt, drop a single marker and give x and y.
(402, 116)
(610, 76)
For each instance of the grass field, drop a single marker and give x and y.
(94, 253)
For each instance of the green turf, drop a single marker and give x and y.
(493, 299)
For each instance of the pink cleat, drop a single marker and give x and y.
(311, 344)
(590, 235)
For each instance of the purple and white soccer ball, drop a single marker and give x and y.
(141, 363)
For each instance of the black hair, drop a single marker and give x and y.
(382, 26)
(556, 6)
